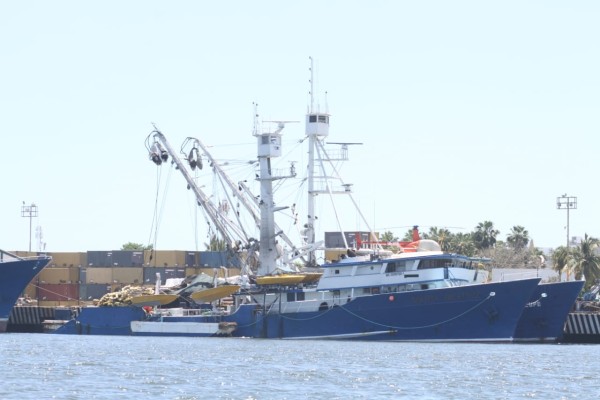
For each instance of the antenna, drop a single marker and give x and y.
(256, 129)
(312, 91)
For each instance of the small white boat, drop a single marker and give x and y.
(159, 328)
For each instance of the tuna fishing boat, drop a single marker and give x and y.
(545, 314)
(403, 298)
(15, 274)
(425, 295)
(417, 294)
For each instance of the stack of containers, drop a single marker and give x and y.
(169, 263)
(79, 278)
(58, 284)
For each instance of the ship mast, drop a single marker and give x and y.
(241, 190)
(269, 146)
(317, 128)
(320, 179)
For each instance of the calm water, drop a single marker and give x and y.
(38, 366)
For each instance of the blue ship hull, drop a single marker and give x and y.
(544, 317)
(15, 275)
(103, 321)
(483, 312)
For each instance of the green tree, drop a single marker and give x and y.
(560, 259)
(585, 262)
(504, 256)
(388, 236)
(441, 235)
(518, 237)
(484, 236)
(135, 246)
(462, 243)
(216, 244)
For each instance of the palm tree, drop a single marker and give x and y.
(484, 236)
(560, 259)
(441, 235)
(388, 237)
(518, 238)
(585, 262)
(462, 243)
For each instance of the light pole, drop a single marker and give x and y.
(29, 211)
(565, 202)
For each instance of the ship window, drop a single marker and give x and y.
(312, 118)
(433, 263)
(295, 296)
(396, 266)
(337, 271)
(265, 140)
(372, 290)
(323, 118)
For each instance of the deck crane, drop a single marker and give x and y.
(194, 159)
(159, 150)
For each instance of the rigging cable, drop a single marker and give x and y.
(154, 224)
(158, 209)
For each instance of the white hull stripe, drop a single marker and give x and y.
(365, 334)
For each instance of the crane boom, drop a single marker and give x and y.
(229, 231)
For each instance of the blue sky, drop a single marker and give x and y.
(468, 110)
